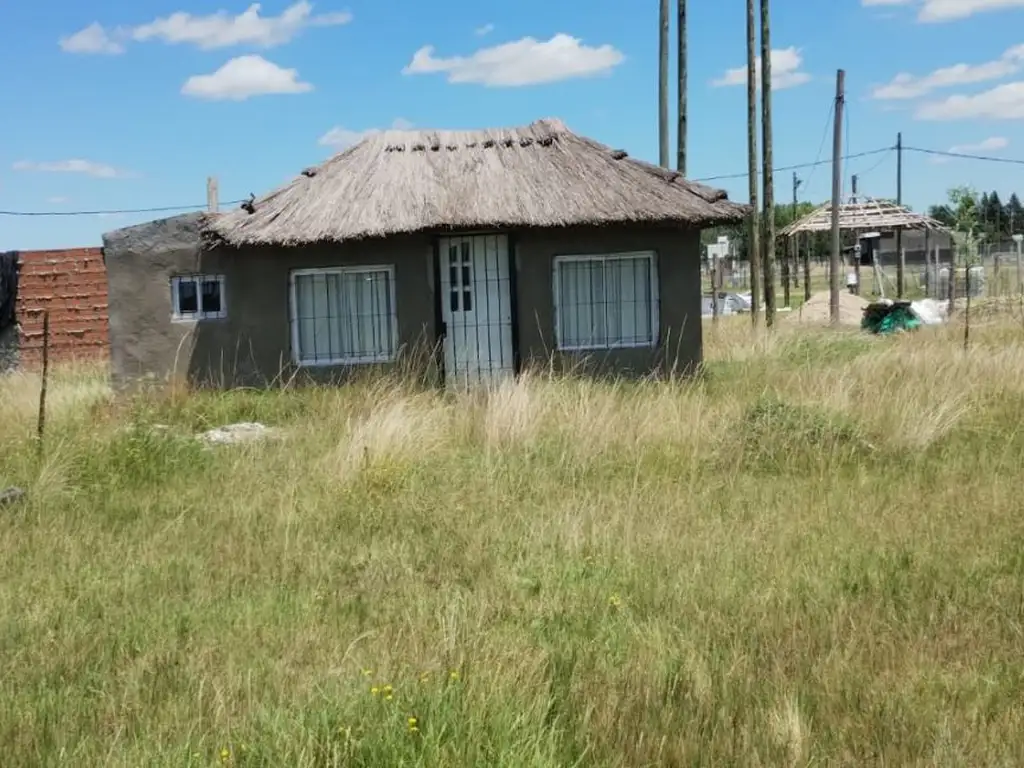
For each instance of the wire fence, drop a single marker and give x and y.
(994, 277)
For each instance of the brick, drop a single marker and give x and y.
(70, 285)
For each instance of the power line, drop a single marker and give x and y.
(798, 166)
(862, 174)
(964, 155)
(720, 177)
(112, 211)
(821, 144)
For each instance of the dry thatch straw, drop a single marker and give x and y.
(863, 213)
(540, 175)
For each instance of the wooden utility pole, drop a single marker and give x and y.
(681, 127)
(663, 87)
(768, 178)
(792, 250)
(837, 193)
(901, 259)
(43, 382)
(212, 194)
(807, 270)
(753, 248)
(856, 253)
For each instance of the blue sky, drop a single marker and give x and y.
(120, 104)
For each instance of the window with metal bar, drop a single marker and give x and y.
(606, 301)
(198, 297)
(343, 315)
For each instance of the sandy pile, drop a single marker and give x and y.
(816, 310)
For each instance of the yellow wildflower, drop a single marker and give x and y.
(614, 601)
(388, 692)
(412, 721)
(374, 690)
(225, 755)
(454, 674)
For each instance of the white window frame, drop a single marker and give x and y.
(293, 315)
(184, 317)
(650, 256)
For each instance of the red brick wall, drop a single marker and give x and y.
(72, 285)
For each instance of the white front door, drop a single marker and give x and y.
(476, 307)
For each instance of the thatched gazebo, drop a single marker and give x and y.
(861, 215)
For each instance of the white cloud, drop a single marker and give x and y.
(243, 77)
(786, 72)
(215, 30)
(87, 167)
(991, 144)
(1004, 102)
(522, 62)
(935, 11)
(907, 86)
(486, 29)
(91, 39)
(340, 138)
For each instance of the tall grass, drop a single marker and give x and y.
(812, 554)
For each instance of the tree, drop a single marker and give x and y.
(1014, 214)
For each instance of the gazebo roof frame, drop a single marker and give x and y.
(864, 213)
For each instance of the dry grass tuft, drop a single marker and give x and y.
(810, 555)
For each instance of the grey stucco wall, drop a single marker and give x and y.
(252, 345)
(677, 254)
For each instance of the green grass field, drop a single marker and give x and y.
(812, 555)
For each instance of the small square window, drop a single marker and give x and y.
(198, 297)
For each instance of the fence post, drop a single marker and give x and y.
(967, 308)
(41, 424)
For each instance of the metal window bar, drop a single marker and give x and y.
(344, 316)
(608, 302)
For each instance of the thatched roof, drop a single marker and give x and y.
(863, 214)
(540, 175)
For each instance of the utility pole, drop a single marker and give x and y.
(792, 251)
(901, 259)
(753, 246)
(681, 128)
(212, 194)
(663, 87)
(768, 178)
(837, 193)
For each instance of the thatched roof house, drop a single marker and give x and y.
(539, 175)
(497, 247)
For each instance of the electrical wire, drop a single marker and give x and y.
(113, 211)
(862, 174)
(821, 144)
(798, 166)
(720, 177)
(964, 155)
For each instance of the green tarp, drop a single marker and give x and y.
(889, 317)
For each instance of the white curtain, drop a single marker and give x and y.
(345, 316)
(605, 302)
